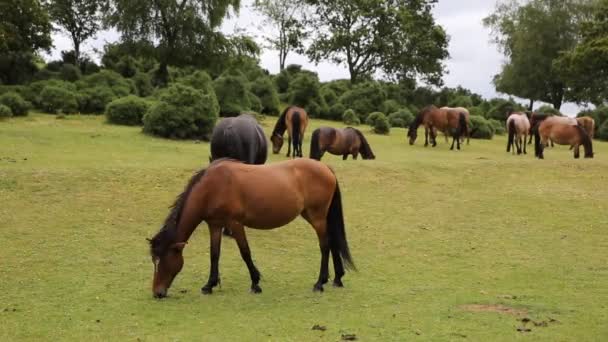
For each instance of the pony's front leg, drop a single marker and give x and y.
(525, 139)
(426, 136)
(434, 136)
(518, 144)
(577, 151)
(289, 146)
(238, 232)
(344, 156)
(215, 238)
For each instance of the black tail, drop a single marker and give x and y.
(538, 146)
(587, 144)
(511, 135)
(335, 230)
(295, 131)
(366, 150)
(315, 150)
(462, 125)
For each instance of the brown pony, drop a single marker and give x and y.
(433, 119)
(339, 141)
(518, 127)
(294, 120)
(232, 194)
(588, 125)
(562, 131)
(467, 116)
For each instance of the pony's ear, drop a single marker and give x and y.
(178, 246)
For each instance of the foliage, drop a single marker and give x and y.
(500, 109)
(602, 132)
(461, 101)
(373, 117)
(401, 118)
(547, 109)
(498, 126)
(54, 99)
(255, 104)
(264, 89)
(34, 89)
(70, 73)
(118, 85)
(391, 36)
(231, 92)
(304, 89)
(127, 110)
(329, 95)
(481, 128)
(381, 125)
(351, 118)
(390, 106)
(364, 98)
(143, 84)
(5, 112)
(94, 100)
(336, 111)
(17, 105)
(183, 112)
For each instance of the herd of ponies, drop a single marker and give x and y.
(239, 190)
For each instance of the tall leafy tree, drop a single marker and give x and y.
(585, 68)
(182, 28)
(24, 29)
(397, 37)
(285, 16)
(81, 19)
(532, 36)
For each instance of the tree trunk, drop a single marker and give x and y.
(76, 42)
(531, 105)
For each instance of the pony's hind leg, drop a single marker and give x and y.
(319, 223)
(238, 232)
(215, 237)
(289, 146)
(577, 151)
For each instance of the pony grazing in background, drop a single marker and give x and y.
(294, 120)
(340, 142)
(563, 131)
(435, 119)
(232, 194)
(467, 116)
(518, 127)
(588, 125)
(239, 138)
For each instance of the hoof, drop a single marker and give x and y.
(317, 288)
(256, 289)
(207, 290)
(338, 283)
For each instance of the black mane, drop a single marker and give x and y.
(418, 119)
(281, 125)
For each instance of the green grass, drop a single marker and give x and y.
(430, 230)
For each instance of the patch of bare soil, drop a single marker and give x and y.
(494, 308)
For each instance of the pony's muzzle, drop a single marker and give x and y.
(159, 294)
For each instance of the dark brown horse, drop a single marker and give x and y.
(563, 131)
(294, 120)
(240, 138)
(341, 142)
(435, 119)
(232, 194)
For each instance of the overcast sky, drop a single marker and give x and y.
(472, 64)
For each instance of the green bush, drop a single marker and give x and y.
(461, 101)
(477, 111)
(94, 100)
(255, 104)
(268, 95)
(199, 80)
(5, 112)
(364, 98)
(231, 92)
(401, 118)
(602, 132)
(45, 74)
(313, 109)
(499, 127)
(349, 117)
(500, 109)
(373, 117)
(34, 90)
(390, 106)
(481, 128)
(117, 84)
(69, 72)
(143, 84)
(328, 95)
(127, 110)
(182, 112)
(547, 109)
(14, 101)
(54, 99)
(381, 125)
(304, 89)
(336, 111)
(282, 82)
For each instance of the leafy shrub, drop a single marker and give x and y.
(182, 112)
(501, 108)
(350, 118)
(54, 99)
(401, 118)
(282, 82)
(143, 84)
(95, 100)
(117, 84)
(381, 125)
(602, 132)
(481, 128)
(364, 98)
(70, 73)
(390, 106)
(34, 90)
(373, 117)
(499, 127)
(335, 112)
(268, 95)
(477, 111)
(254, 102)
(199, 80)
(313, 109)
(547, 109)
(14, 101)
(5, 112)
(45, 74)
(461, 101)
(127, 110)
(231, 92)
(328, 95)
(304, 89)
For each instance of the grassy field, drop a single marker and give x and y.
(449, 245)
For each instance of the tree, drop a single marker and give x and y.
(585, 68)
(397, 37)
(532, 36)
(283, 15)
(182, 28)
(24, 29)
(80, 18)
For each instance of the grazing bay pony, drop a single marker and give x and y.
(239, 138)
(588, 125)
(294, 120)
(468, 117)
(232, 194)
(518, 127)
(340, 142)
(435, 119)
(563, 131)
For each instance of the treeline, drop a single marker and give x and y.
(174, 73)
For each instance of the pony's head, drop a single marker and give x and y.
(168, 262)
(277, 143)
(412, 133)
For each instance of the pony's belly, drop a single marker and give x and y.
(270, 218)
